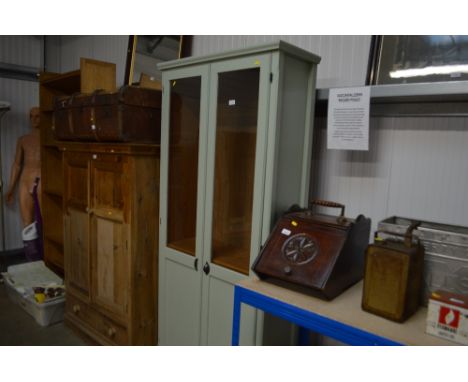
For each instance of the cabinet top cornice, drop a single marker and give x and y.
(265, 48)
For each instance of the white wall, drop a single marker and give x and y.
(416, 167)
(22, 95)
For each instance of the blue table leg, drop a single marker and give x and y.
(236, 317)
(303, 336)
(306, 320)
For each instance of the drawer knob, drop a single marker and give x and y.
(111, 332)
(76, 308)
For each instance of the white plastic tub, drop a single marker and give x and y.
(19, 280)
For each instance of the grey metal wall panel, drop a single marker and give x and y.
(52, 54)
(22, 95)
(21, 50)
(105, 48)
(416, 167)
(344, 58)
(430, 170)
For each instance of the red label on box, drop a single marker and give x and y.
(449, 317)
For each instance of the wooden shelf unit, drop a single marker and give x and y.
(91, 76)
(111, 195)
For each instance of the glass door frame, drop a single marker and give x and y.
(195, 71)
(168, 255)
(263, 62)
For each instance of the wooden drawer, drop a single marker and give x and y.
(99, 327)
(80, 310)
(113, 332)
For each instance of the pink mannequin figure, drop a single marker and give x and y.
(26, 167)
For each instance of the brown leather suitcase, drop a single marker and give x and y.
(316, 254)
(61, 124)
(393, 277)
(132, 114)
(74, 117)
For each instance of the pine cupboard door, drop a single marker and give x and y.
(109, 245)
(238, 127)
(183, 161)
(76, 223)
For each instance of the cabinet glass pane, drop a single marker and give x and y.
(183, 163)
(236, 134)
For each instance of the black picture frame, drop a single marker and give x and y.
(417, 59)
(184, 50)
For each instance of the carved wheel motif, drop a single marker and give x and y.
(300, 249)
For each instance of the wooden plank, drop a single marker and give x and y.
(97, 75)
(144, 246)
(77, 238)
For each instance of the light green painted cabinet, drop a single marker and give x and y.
(235, 154)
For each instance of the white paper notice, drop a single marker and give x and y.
(348, 119)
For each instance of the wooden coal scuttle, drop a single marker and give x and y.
(317, 254)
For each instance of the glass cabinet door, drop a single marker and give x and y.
(183, 162)
(184, 121)
(237, 142)
(236, 136)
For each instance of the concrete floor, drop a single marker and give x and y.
(19, 328)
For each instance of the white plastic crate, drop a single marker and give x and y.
(19, 280)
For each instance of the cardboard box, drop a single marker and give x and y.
(447, 316)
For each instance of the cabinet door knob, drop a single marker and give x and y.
(111, 331)
(206, 268)
(76, 308)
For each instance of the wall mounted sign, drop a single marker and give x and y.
(348, 119)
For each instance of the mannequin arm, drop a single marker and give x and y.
(15, 172)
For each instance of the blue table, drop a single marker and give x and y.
(341, 319)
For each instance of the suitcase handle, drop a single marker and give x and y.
(95, 93)
(93, 115)
(326, 203)
(72, 98)
(407, 237)
(409, 233)
(77, 94)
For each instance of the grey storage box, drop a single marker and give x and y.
(19, 280)
(446, 258)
